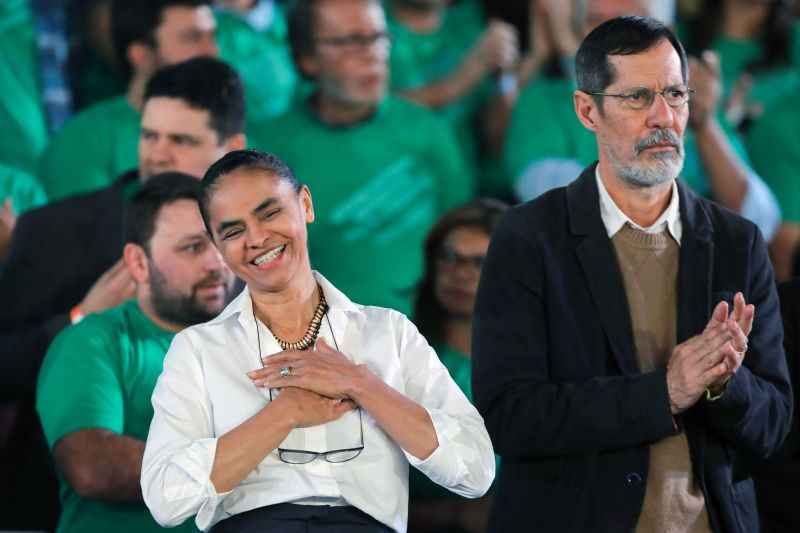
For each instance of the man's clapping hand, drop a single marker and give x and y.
(710, 359)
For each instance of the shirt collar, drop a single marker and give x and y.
(614, 218)
(242, 306)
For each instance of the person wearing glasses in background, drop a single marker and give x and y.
(296, 407)
(382, 169)
(454, 253)
(627, 351)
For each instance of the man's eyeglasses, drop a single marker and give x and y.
(642, 97)
(450, 258)
(355, 42)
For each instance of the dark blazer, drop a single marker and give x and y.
(778, 481)
(57, 253)
(555, 373)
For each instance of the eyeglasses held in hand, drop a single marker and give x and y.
(301, 457)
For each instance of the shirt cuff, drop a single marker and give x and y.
(196, 462)
(443, 466)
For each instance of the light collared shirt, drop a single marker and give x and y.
(204, 392)
(614, 218)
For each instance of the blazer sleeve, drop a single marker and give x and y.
(527, 413)
(754, 414)
(26, 289)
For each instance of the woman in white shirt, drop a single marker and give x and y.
(297, 406)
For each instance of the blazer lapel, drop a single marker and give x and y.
(599, 263)
(695, 267)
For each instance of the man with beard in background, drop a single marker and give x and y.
(193, 114)
(96, 381)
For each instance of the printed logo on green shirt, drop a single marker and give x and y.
(398, 199)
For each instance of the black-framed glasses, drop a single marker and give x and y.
(447, 256)
(355, 42)
(301, 457)
(642, 97)
(342, 455)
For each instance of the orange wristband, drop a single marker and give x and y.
(76, 315)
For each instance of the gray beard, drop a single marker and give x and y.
(663, 168)
(667, 167)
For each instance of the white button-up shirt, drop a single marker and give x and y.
(614, 218)
(204, 392)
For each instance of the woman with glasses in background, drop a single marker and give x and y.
(297, 409)
(454, 252)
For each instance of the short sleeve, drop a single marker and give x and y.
(79, 385)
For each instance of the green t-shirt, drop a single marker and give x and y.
(417, 60)
(95, 81)
(23, 189)
(263, 59)
(544, 126)
(23, 135)
(774, 146)
(736, 54)
(769, 85)
(378, 187)
(100, 374)
(92, 149)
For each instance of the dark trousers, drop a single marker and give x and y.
(290, 518)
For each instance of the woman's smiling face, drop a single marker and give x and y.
(259, 222)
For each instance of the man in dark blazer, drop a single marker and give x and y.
(627, 352)
(65, 259)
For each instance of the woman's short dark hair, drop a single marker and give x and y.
(618, 37)
(136, 21)
(207, 84)
(160, 190)
(242, 159)
(484, 214)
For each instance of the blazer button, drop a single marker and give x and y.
(633, 479)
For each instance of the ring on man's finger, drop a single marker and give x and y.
(286, 371)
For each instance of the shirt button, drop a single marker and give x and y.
(633, 479)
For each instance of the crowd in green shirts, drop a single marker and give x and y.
(378, 185)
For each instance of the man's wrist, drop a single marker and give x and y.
(76, 314)
(715, 391)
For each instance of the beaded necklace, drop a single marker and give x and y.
(312, 332)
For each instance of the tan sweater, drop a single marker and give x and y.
(673, 503)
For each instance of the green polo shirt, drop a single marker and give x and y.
(419, 59)
(101, 373)
(774, 146)
(378, 187)
(263, 59)
(23, 134)
(92, 149)
(544, 126)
